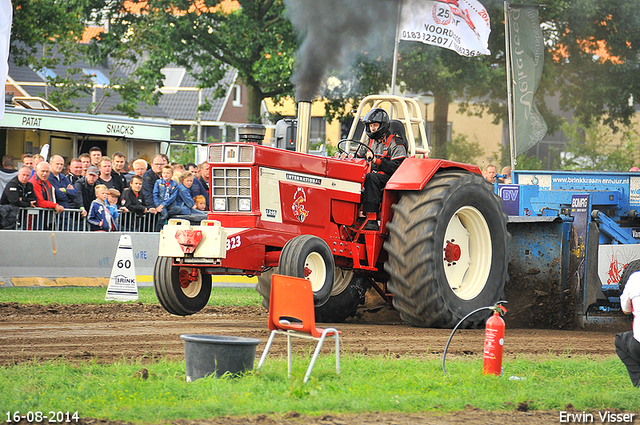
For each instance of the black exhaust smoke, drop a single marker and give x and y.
(333, 32)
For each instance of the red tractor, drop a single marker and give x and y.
(440, 251)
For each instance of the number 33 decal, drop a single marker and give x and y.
(233, 242)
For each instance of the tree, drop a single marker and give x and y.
(448, 77)
(207, 37)
(183, 154)
(44, 35)
(52, 25)
(595, 147)
(462, 150)
(596, 46)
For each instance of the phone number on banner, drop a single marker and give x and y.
(426, 37)
(466, 52)
(447, 39)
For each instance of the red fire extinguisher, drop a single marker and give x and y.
(493, 343)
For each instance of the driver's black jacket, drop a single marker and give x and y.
(389, 154)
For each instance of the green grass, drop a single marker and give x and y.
(95, 295)
(366, 384)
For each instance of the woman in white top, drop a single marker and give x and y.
(628, 343)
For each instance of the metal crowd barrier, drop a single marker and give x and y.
(71, 220)
(132, 222)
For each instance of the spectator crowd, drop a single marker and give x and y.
(99, 189)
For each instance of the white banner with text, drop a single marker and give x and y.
(459, 25)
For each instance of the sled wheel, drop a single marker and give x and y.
(629, 269)
(309, 257)
(180, 291)
(448, 251)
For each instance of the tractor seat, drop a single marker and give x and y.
(397, 128)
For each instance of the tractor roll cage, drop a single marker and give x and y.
(407, 111)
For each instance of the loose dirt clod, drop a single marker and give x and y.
(142, 374)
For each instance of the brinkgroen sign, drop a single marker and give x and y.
(102, 125)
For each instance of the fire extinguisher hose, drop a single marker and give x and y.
(446, 347)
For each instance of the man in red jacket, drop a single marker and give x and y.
(45, 197)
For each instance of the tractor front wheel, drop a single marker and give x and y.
(309, 257)
(181, 290)
(448, 251)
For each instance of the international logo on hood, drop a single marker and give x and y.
(299, 198)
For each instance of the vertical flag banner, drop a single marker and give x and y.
(527, 58)
(6, 15)
(459, 25)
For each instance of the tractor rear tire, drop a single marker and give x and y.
(348, 292)
(629, 269)
(181, 300)
(309, 257)
(448, 251)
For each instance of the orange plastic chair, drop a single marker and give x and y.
(291, 313)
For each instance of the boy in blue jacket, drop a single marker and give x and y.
(99, 218)
(165, 193)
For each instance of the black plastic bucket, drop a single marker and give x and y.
(209, 354)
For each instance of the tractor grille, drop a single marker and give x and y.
(232, 185)
(230, 153)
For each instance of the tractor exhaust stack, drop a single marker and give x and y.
(304, 126)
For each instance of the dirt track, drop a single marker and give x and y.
(135, 331)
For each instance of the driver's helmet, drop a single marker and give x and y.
(378, 115)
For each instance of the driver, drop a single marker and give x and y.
(389, 151)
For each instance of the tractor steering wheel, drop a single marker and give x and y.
(342, 144)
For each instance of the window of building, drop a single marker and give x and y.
(429, 130)
(345, 127)
(237, 95)
(172, 79)
(180, 132)
(96, 76)
(317, 129)
(212, 134)
(44, 73)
